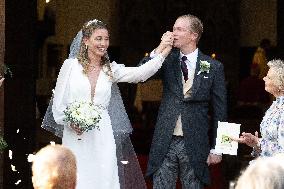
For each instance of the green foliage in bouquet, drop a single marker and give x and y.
(3, 144)
(85, 115)
(6, 70)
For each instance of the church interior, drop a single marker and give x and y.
(35, 39)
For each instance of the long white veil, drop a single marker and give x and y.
(130, 175)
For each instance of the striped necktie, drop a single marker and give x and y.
(184, 68)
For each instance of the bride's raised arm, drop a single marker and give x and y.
(141, 73)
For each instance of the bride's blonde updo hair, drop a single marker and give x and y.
(87, 30)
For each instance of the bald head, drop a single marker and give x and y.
(54, 167)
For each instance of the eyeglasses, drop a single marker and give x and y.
(180, 29)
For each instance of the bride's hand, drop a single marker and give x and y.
(76, 129)
(166, 51)
(166, 43)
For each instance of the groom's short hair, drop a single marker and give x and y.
(54, 167)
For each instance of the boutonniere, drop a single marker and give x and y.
(204, 67)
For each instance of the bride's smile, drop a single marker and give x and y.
(98, 42)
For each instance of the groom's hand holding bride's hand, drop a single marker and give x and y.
(166, 44)
(76, 129)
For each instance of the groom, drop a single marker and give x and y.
(193, 83)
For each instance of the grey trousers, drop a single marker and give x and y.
(176, 163)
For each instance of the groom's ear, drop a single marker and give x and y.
(194, 36)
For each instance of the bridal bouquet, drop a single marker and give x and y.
(84, 114)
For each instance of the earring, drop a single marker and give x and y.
(86, 47)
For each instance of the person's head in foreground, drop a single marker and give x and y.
(54, 167)
(263, 173)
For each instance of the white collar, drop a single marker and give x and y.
(192, 57)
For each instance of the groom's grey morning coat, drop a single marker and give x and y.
(208, 89)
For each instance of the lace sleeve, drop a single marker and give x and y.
(61, 91)
(136, 74)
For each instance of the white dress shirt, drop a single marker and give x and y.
(191, 66)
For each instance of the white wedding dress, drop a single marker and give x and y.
(95, 150)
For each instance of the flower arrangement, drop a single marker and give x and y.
(7, 71)
(4, 68)
(204, 67)
(84, 114)
(3, 144)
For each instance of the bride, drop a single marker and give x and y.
(105, 158)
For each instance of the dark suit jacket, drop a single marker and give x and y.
(208, 90)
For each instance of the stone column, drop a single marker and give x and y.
(2, 51)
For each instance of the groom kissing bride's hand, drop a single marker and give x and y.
(182, 145)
